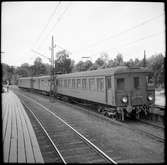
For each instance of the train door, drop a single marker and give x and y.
(108, 90)
(135, 88)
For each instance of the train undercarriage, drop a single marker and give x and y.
(123, 113)
(119, 113)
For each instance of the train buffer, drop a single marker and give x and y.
(19, 141)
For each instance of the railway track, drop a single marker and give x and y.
(133, 126)
(64, 143)
(159, 107)
(48, 149)
(152, 123)
(147, 129)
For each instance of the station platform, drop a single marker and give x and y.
(19, 140)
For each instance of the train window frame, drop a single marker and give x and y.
(65, 83)
(136, 81)
(92, 85)
(84, 83)
(73, 83)
(69, 83)
(108, 82)
(100, 84)
(78, 83)
(122, 87)
(61, 83)
(148, 78)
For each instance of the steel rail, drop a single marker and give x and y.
(86, 140)
(57, 150)
(161, 107)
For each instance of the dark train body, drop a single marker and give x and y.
(120, 91)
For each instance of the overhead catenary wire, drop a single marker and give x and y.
(40, 54)
(143, 38)
(58, 20)
(49, 19)
(120, 33)
(135, 41)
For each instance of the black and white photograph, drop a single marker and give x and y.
(83, 82)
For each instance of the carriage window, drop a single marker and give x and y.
(100, 84)
(78, 83)
(108, 82)
(65, 83)
(69, 83)
(61, 83)
(150, 80)
(120, 83)
(136, 82)
(84, 83)
(92, 84)
(58, 83)
(73, 83)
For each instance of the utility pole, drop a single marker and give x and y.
(144, 60)
(52, 72)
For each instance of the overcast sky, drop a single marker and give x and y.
(83, 28)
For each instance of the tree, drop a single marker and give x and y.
(130, 62)
(100, 62)
(95, 66)
(38, 68)
(105, 57)
(118, 60)
(156, 64)
(80, 66)
(5, 69)
(23, 70)
(136, 62)
(88, 64)
(63, 63)
(83, 66)
(110, 63)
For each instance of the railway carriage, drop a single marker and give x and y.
(24, 82)
(121, 91)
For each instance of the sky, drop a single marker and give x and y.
(84, 29)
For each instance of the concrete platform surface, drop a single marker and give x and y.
(19, 140)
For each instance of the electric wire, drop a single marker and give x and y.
(58, 20)
(135, 41)
(122, 32)
(51, 16)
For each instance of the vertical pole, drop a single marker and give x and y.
(52, 82)
(144, 60)
(51, 69)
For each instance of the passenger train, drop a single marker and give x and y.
(118, 92)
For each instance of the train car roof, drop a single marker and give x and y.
(39, 77)
(107, 71)
(98, 72)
